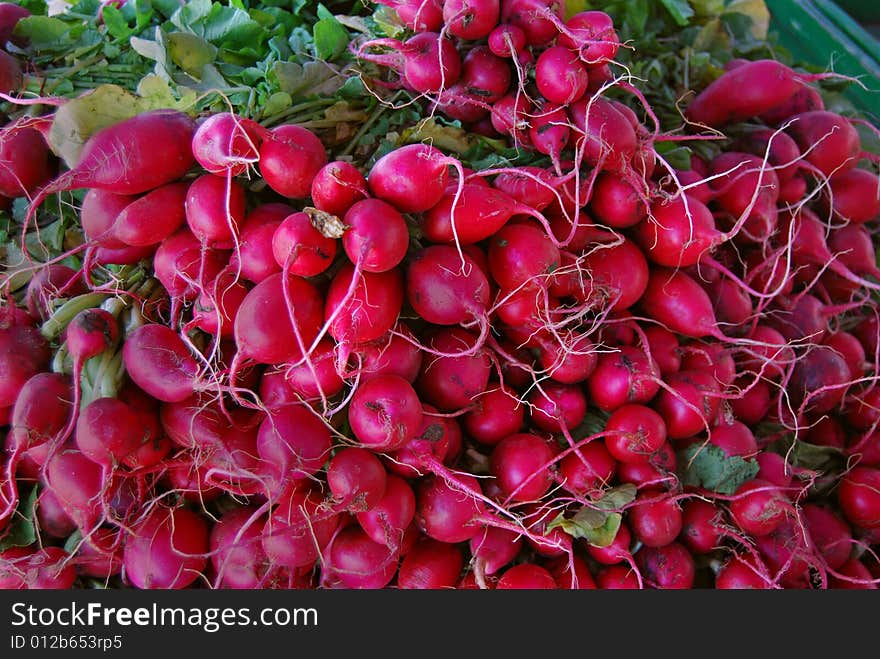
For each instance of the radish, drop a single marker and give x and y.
(150, 219)
(617, 577)
(388, 520)
(626, 375)
(300, 249)
(358, 562)
(677, 301)
(758, 507)
(183, 265)
(298, 530)
(411, 178)
(506, 40)
(678, 233)
(592, 34)
(215, 207)
(160, 363)
(589, 469)
(49, 568)
(445, 288)
(654, 519)
(25, 163)
(427, 62)
(560, 75)
(618, 275)
(376, 238)
(538, 19)
(356, 478)
(445, 512)
(23, 353)
(859, 497)
(337, 186)
(557, 407)
(739, 573)
(701, 530)
(107, 432)
(227, 144)
(828, 141)
(237, 556)
(430, 565)
(668, 567)
(450, 382)
(290, 157)
(496, 413)
(49, 283)
(395, 352)
(615, 203)
(633, 433)
(166, 550)
(293, 443)
(854, 195)
(520, 463)
(526, 576)
(385, 413)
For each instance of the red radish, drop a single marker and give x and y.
(23, 353)
(787, 555)
(376, 238)
(744, 92)
(452, 381)
(150, 219)
(359, 562)
(294, 443)
(526, 576)
(49, 568)
(24, 160)
(538, 19)
(362, 306)
(625, 375)
(557, 407)
(678, 233)
(300, 249)
(395, 352)
(430, 565)
(445, 288)
(506, 39)
(356, 478)
(497, 413)
(277, 319)
(337, 186)
(739, 574)
(806, 99)
(592, 34)
(859, 497)
(470, 19)
(590, 468)
(532, 187)
(616, 577)
(51, 519)
(417, 15)
(758, 507)
(182, 265)
(484, 75)
(830, 535)
(854, 195)
(701, 526)
(411, 178)
(388, 520)
(854, 575)
(100, 554)
(819, 380)
(521, 253)
(615, 203)
(676, 300)
(469, 216)
(617, 552)
(215, 207)
(747, 189)
(167, 549)
(385, 413)
(301, 382)
(493, 548)
(664, 348)
(828, 141)
(298, 529)
(445, 512)
(781, 150)
(10, 15)
(655, 520)
(290, 157)
(560, 75)
(79, 485)
(237, 556)
(254, 258)
(107, 431)
(520, 465)
(734, 439)
(633, 433)
(668, 567)
(618, 274)
(217, 306)
(160, 363)
(227, 144)
(196, 421)
(606, 136)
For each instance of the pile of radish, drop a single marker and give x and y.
(277, 369)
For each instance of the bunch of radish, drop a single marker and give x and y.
(279, 370)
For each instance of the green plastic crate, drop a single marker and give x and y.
(821, 32)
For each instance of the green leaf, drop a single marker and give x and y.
(22, 530)
(43, 31)
(705, 465)
(596, 527)
(680, 11)
(232, 28)
(190, 52)
(815, 457)
(616, 498)
(116, 24)
(388, 22)
(331, 39)
(313, 77)
(676, 154)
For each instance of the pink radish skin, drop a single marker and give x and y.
(385, 413)
(293, 444)
(183, 266)
(370, 311)
(356, 478)
(533, 17)
(411, 178)
(430, 565)
(168, 549)
(445, 288)
(446, 513)
(160, 363)
(255, 258)
(24, 161)
(560, 75)
(152, 218)
(377, 236)
(264, 331)
(49, 282)
(470, 19)
(100, 209)
(215, 207)
(290, 157)
(676, 300)
(107, 431)
(518, 463)
(358, 562)
(227, 144)
(452, 382)
(828, 141)
(337, 186)
(300, 248)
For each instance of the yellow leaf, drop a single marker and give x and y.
(757, 11)
(446, 138)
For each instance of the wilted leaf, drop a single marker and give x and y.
(616, 498)
(756, 10)
(447, 138)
